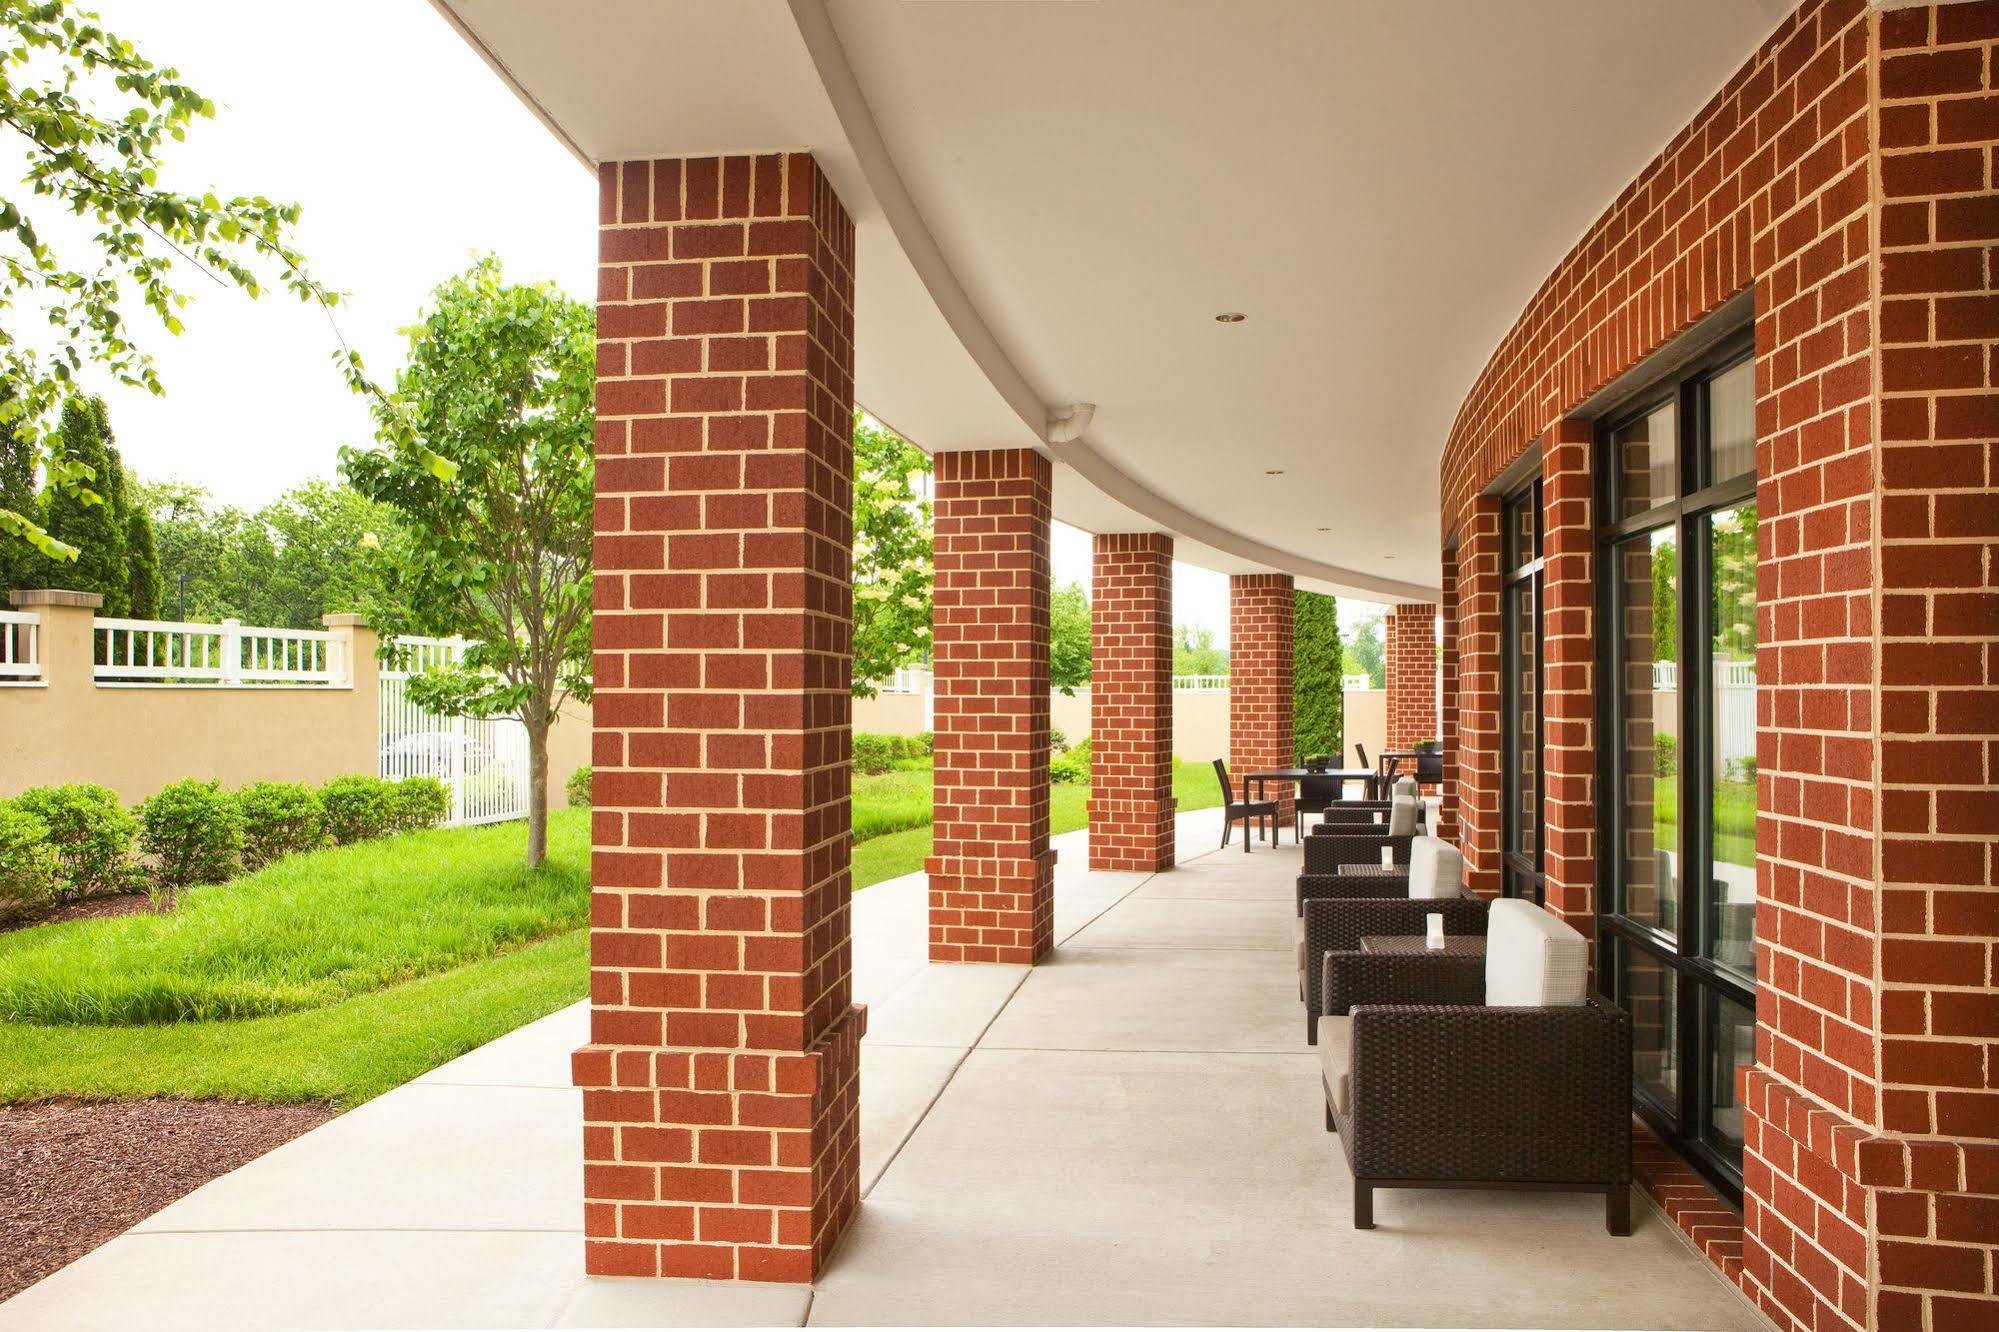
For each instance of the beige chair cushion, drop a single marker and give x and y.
(1336, 1060)
(1532, 960)
(1402, 816)
(1435, 867)
(1406, 786)
(1298, 933)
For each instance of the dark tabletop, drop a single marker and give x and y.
(1455, 945)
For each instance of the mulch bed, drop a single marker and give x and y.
(90, 908)
(74, 1174)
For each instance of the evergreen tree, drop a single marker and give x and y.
(142, 565)
(20, 563)
(88, 518)
(1318, 707)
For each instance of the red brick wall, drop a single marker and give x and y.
(1451, 644)
(1938, 664)
(1475, 752)
(992, 875)
(1131, 702)
(1876, 664)
(1568, 675)
(720, 1085)
(1260, 646)
(1409, 634)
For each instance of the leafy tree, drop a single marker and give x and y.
(93, 116)
(86, 521)
(1665, 602)
(1365, 653)
(18, 456)
(142, 566)
(1195, 653)
(198, 543)
(500, 381)
(1318, 706)
(319, 556)
(1068, 638)
(893, 574)
(1734, 544)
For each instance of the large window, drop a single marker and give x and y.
(1677, 584)
(1521, 787)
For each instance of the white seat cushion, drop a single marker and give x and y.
(1402, 816)
(1435, 868)
(1532, 960)
(1406, 786)
(1336, 1060)
(1298, 933)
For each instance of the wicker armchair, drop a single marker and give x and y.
(1442, 1076)
(1337, 925)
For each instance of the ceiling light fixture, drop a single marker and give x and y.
(1230, 317)
(1273, 471)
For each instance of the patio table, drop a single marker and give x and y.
(1256, 780)
(1455, 945)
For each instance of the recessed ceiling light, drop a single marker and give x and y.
(1273, 471)
(1324, 529)
(1230, 317)
(1387, 557)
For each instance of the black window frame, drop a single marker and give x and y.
(1520, 875)
(1699, 981)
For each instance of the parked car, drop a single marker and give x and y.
(435, 754)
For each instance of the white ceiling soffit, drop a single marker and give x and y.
(1054, 200)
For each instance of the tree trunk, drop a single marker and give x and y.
(537, 730)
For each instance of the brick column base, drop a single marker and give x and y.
(991, 910)
(1261, 610)
(718, 1165)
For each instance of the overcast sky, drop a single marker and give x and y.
(410, 158)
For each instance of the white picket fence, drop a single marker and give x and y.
(482, 762)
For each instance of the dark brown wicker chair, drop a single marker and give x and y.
(1316, 795)
(1263, 811)
(1428, 1087)
(1338, 924)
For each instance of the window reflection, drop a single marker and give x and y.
(1731, 444)
(1731, 1046)
(1649, 605)
(1651, 996)
(1647, 457)
(1732, 737)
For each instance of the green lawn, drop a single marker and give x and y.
(1734, 820)
(338, 975)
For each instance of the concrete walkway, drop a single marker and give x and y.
(1131, 1133)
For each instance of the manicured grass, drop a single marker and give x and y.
(1734, 820)
(344, 1052)
(308, 931)
(891, 802)
(371, 964)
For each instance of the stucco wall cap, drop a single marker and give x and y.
(55, 596)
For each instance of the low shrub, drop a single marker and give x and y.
(926, 741)
(194, 832)
(279, 819)
(1058, 741)
(91, 835)
(1072, 766)
(577, 788)
(28, 863)
(357, 808)
(873, 753)
(417, 802)
(1665, 756)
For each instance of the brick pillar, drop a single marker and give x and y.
(720, 1085)
(1568, 664)
(1475, 756)
(992, 874)
(1409, 634)
(1260, 609)
(1131, 702)
(1447, 673)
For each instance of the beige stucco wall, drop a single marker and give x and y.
(1367, 722)
(136, 739)
(889, 714)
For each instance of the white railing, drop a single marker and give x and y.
(1727, 675)
(168, 651)
(906, 680)
(1352, 682)
(1665, 676)
(1201, 684)
(20, 648)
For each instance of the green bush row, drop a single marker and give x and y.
(1072, 765)
(60, 843)
(880, 753)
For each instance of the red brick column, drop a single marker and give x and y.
(992, 874)
(1475, 755)
(1447, 672)
(1260, 610)
(1131, 702)
(720, 1085)
(1409, 634)
(1568, 666)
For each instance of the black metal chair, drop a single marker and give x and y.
(1264, 811)
(1367, 789)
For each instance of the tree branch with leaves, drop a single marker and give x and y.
(499, 383)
